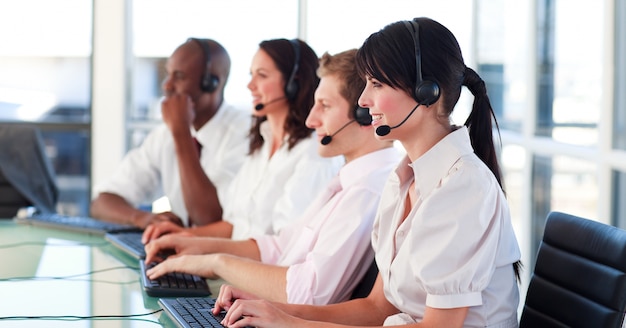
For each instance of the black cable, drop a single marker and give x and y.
(73, 317)
(87, 280)
(77, 317)
(43, 243)
(70, 276)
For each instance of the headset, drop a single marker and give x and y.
(291, 87)
(362, 115)
(209, 82)
(426, 92)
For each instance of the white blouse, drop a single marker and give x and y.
(456, 247)
(267, 193)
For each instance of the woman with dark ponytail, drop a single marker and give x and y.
(445, 246)
(479, 122)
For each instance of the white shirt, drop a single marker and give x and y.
(457, 245)
(267, 193)
(328, 248)
(151, 170)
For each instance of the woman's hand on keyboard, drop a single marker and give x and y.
(158, 229)
(228, 294)
(199, 265)
(259, 314)
(174, 245)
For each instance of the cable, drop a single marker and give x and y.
(41, 243)
(87, 280)
(76, 317)
(70, 276)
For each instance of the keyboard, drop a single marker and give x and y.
(74, 223)
(191, 311)
(129, 242)
(173, 284)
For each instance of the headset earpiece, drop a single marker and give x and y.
(209, 82)
(292, 87)
(362, 115)
(425, 92)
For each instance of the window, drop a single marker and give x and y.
(238, 25)
(355, 20)
(46, 82)
(618, 194)
(502, 59)
(570, 70)
(562, 183)
(513, 161)
(619, 120)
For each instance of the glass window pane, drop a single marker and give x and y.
(239, 25)
(513, 160)
(69, 151)
(45, 60)
(366, 17)
(350, 22)
(564, 184)
(618, 195)
(570, 70)
(619, 114)
(501, 30)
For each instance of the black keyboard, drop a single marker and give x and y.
(129, 242)
(173, 284)
(74, 223)
(191, 312)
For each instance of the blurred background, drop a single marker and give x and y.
(87, 73)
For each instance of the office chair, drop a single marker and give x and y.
(26, 174)
(579, 278)
(11, 200)
(364, 286)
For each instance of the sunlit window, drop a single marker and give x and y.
(159, 26)
(562, 183)
(335, 26)
(45, 58)
(619, 119)
(570, 70)
(502, 29)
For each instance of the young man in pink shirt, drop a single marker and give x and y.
(320, 257)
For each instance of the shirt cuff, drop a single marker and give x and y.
(300, 285)
(268, 249)
(454, 300)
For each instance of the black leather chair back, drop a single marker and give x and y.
(11, 200)
(579, 278)
(367, 282)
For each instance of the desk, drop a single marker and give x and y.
(114, 287)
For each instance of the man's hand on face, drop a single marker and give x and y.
(177, 111)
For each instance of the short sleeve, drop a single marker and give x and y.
(137, 179)
(456, 245)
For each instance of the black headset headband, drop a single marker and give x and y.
(291, 87)
(209, 82)
(425, 92)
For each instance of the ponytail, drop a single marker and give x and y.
(479, 123)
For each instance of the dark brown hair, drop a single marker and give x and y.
(389, 57)
(283, 54)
